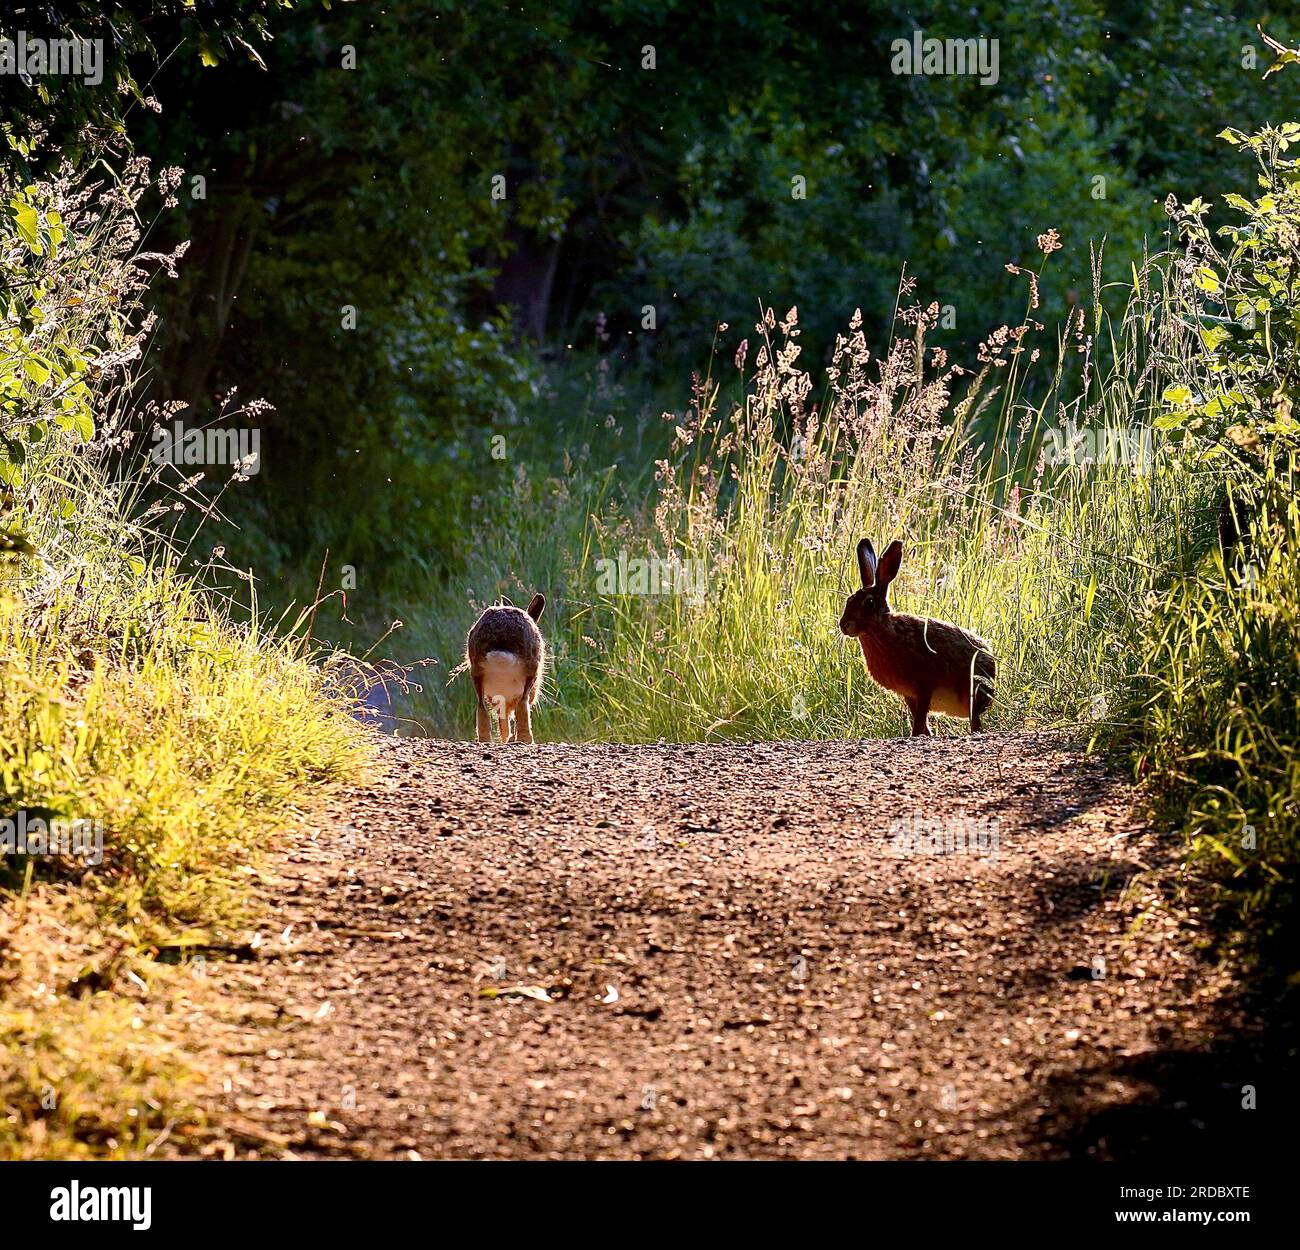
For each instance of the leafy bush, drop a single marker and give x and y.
(1221, 655)
(1248, 307)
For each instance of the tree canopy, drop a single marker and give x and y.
(399, 212)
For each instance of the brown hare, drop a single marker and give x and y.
(506, 657)
(931, 665)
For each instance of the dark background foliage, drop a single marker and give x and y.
(363, 180)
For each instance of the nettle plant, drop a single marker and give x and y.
(1244, 297)
(71, 280)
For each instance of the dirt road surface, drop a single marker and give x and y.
(944, 948)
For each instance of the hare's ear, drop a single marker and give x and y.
(536, 606)
(867, 563)
(889, 563)
(505, 602)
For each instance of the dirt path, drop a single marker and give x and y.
(722, 956)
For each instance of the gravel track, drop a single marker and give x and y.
(727, 951)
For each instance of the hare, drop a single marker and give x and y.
(931, 665)
(506, 656)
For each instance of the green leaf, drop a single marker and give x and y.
(54, 228)
(28, 222)
(1285, 57)
(1207, 279)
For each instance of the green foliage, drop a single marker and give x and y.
(129, 696)
(62, 106)
(625, 186)
(1248, 307)
(1220, 684)
(66, 330)
(1221, 700)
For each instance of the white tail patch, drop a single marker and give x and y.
(504, 678)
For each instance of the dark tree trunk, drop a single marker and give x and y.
(525, 282)
(196, 312)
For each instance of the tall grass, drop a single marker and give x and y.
(771, 496)
(131, 699)
(1216, 721)
(772, 475)
(1218, 696)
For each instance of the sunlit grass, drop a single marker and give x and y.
(129, 700)
(133, 698)
(1050, 563)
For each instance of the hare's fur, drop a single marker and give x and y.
(506, 656)
(932, 665)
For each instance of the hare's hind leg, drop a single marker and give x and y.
(482, 724)
(523, 721)
(920, 709)
(981, 700)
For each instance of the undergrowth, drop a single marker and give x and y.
(137, 712)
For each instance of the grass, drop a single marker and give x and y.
(1214, 726)
(131, 699)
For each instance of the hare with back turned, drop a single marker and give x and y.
(931, 665)
(506, 657)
